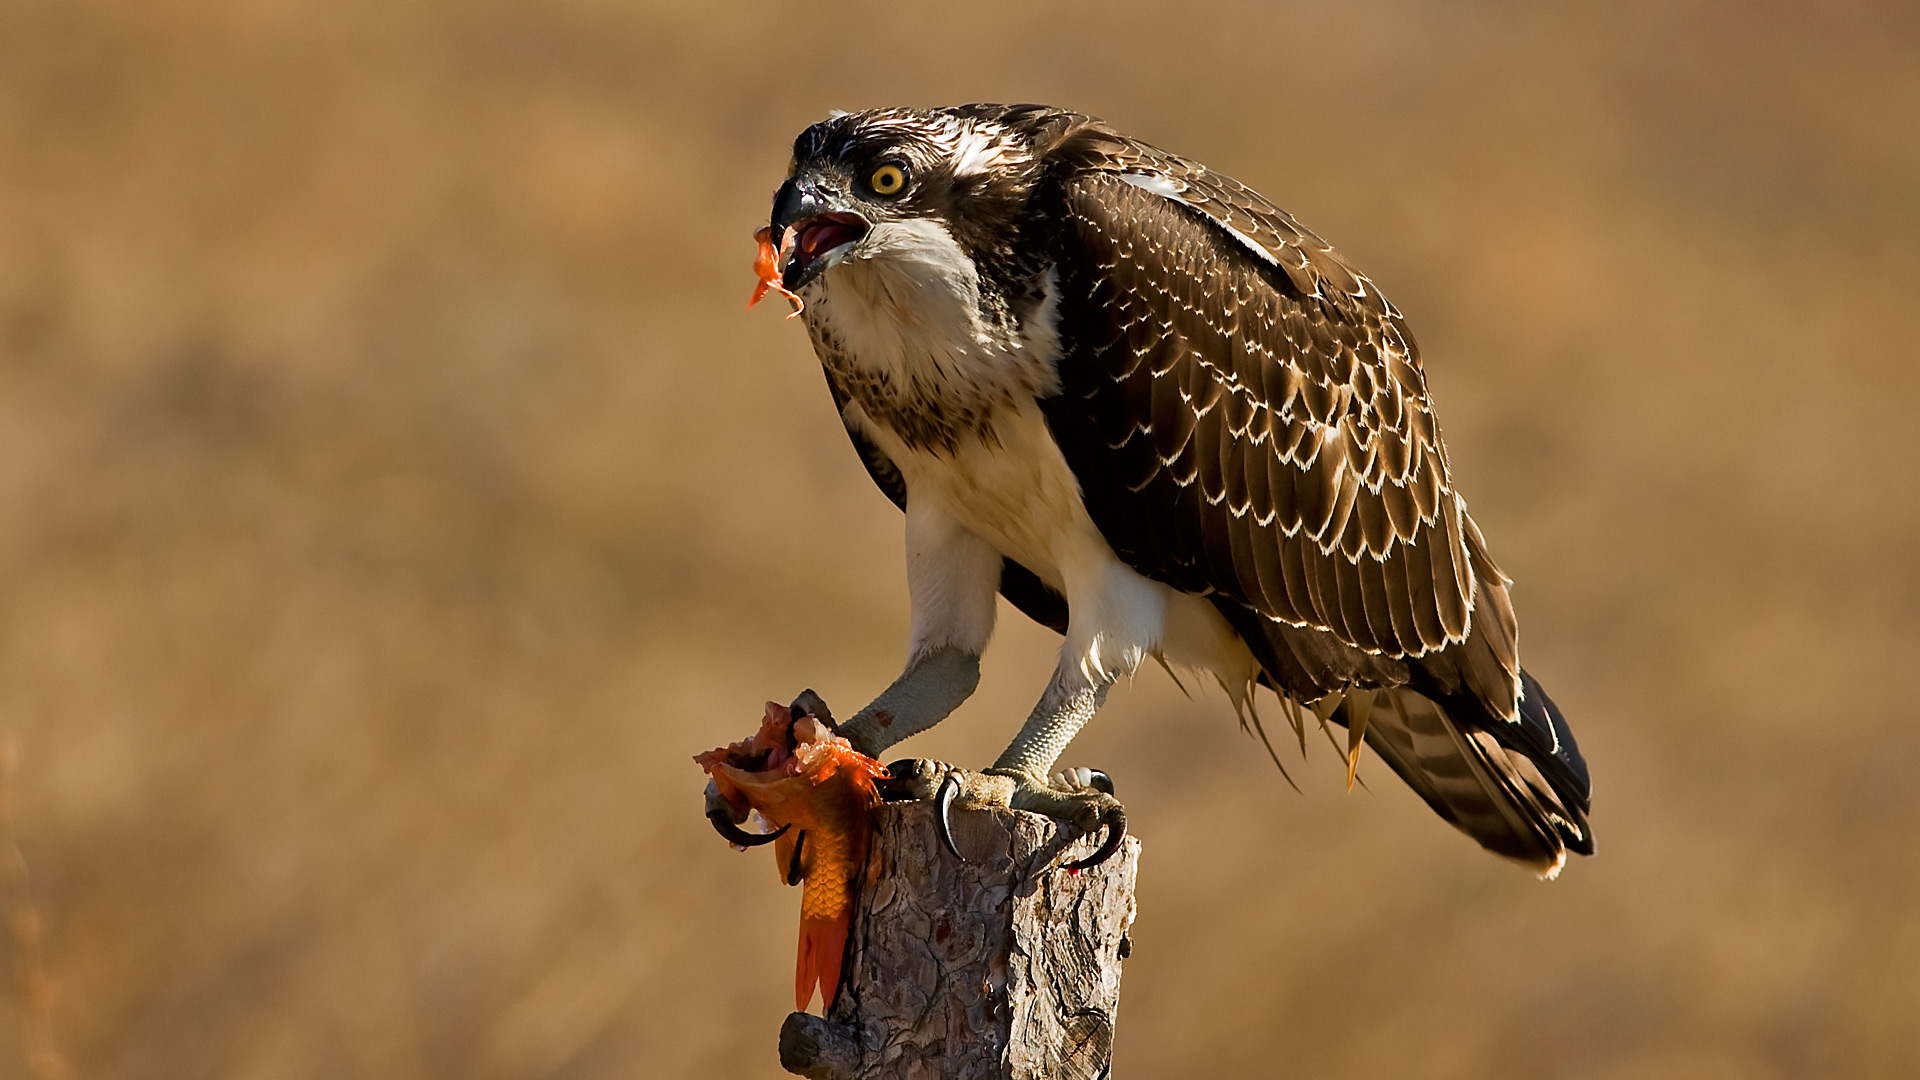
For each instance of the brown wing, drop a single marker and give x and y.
(1248, 418)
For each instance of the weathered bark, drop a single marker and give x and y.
(1006, 966)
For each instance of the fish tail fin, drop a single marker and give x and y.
(823, 948)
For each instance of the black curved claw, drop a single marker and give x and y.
(899, 785)
(736, 835)
(809, 704)
(1115, 822)
(793, 863)
(943, 804)
(1100, 781)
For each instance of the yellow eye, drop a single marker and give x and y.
(888, 180)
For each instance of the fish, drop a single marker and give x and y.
(766, 266)
(818, 793)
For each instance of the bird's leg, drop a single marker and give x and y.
(1082, 798)
(952, 579)
(1069, 702)
(935, 683)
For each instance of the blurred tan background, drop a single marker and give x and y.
(394, 495)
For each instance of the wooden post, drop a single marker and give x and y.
(1004, 967)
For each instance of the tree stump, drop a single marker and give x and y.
(1003, 967)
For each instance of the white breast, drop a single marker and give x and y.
(1013, 489)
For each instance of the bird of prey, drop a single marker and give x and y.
(1161, 417)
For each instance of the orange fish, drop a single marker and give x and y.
(766, 266)
(818, 792)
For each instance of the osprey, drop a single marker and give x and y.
(1164, 419)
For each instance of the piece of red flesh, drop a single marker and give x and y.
(766, 266)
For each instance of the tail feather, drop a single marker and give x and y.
(1518, 788)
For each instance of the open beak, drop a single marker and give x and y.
(822, 235)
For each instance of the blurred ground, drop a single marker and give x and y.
(393, 495)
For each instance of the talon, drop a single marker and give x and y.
(810, 704)
(793, 864)
(1115, 822)
(943, 802)
(1084, 780)
(901, 782)
(724, 825)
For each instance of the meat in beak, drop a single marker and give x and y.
(822, 236)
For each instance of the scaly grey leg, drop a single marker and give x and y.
(1018, 779)
(934, 684)
(1063, 710)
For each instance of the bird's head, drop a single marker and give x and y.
(895, 183)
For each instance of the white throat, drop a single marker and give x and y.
(902, 315)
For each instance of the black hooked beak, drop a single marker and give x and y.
(794, 203)
(819, 232)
